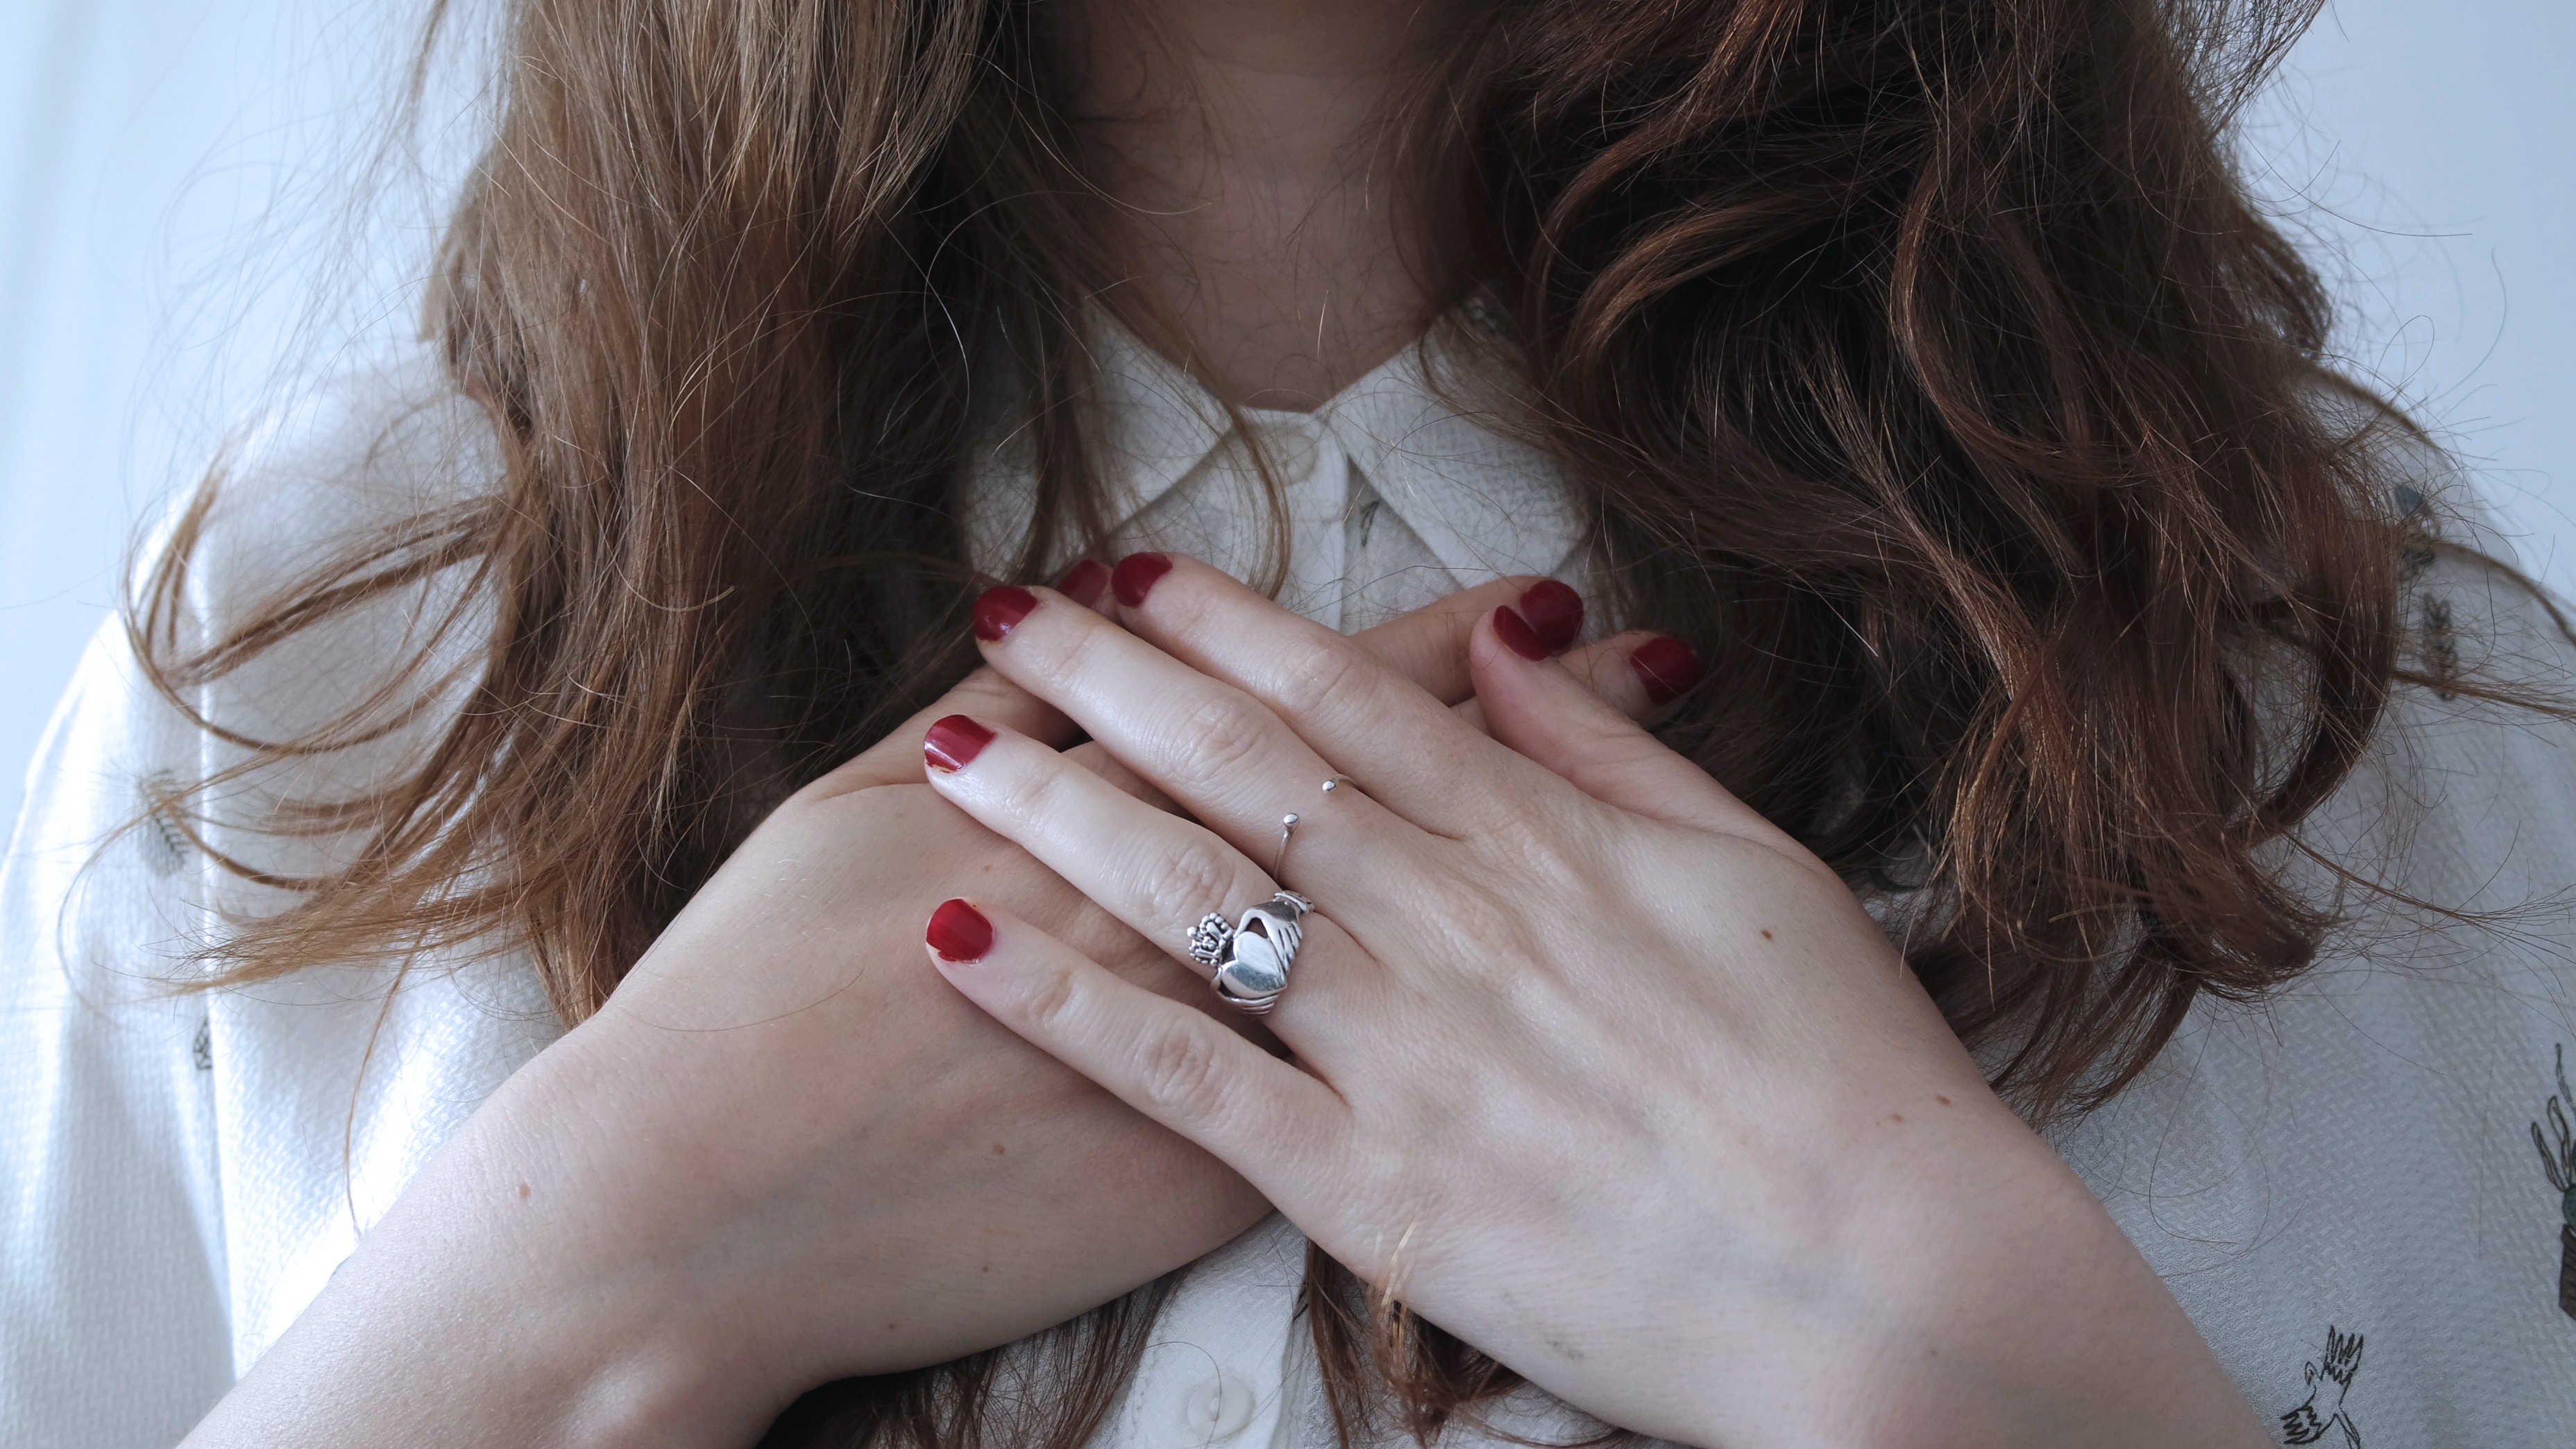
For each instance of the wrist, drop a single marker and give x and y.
(476, 1313)
(1973, 1292)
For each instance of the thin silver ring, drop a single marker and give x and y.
(1288, 827)
(1248, 962)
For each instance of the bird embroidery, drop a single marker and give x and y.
(2328, 1382)
(2558, 1160)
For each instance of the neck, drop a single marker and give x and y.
(1240, 142)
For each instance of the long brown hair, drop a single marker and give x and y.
(1924, 361)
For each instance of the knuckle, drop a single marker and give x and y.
(1071, 653)
(1314, 678)
(1190, 882)
(1219, 736)
(1178, 1069)
(1033, 795)
(1534, 848)
(1051, 1002)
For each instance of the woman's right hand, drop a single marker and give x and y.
(782, 1153)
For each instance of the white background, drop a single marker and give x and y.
(172, 175)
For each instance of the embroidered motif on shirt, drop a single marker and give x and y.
(2441, 644)
(164, 844)
(2558, 1160)
(2329, 1379)
(2440, 636)
(202, 1050)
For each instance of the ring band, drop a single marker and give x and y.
(1248, 962)
(1288, 827)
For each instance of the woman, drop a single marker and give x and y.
(1944, 1026)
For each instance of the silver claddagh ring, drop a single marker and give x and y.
(1249, 960)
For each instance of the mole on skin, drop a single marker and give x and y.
(1766, 935)
(523, 1192)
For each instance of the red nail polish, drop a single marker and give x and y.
(1515, 632)
(1666, 666)
(999, 609)
(959, 932)
(953, 743)
(1554, 612)
(1083, 582)
(1136, 573)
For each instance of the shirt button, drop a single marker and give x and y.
(1217, 1409)
(1294, 446)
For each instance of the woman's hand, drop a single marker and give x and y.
(781, 1153)
(1594, 1067)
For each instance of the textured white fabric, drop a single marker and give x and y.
(1394, 497)
(180, 1174)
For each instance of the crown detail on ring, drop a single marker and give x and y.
(1208, 939)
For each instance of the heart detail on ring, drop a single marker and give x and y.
(1257, 962)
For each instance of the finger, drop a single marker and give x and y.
(1091, 756)
(1539, 709)
(1159, 875)
(896, 759)
(1197, 715)
(1276, 1125)
(1087, 584)
(1155, 871)
(1605, 668)
(1219, 753)
(1429, 645)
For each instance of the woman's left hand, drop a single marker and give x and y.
(1593, 1067)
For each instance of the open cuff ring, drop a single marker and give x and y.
(1249, 960)
(1288, 827)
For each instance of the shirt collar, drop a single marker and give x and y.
(1480, 499)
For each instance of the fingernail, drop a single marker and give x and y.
(1666, 666)
(1515, 631)
(1554, 612)
(953, 743)
(1084, 581)
(997, 610)
(959, 932)
(1136, 573)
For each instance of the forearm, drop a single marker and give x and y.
(475, 1314)
(2016, 1315)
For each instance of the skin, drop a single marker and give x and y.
(771, 1159)
(1255, 206)
(783, 1153)
(1593, 1065)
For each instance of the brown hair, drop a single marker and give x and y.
(1923, 360)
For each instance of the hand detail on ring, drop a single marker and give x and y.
(1250, 959)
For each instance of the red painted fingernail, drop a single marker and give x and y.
(1554, 612)
(1083, 582)
(1136, 573)
(953, 743)
(1000, 609)
(959, 932)
(1666, 666)
(1515, 631)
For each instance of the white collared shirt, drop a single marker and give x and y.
(1394, 496)
(179, 1175)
